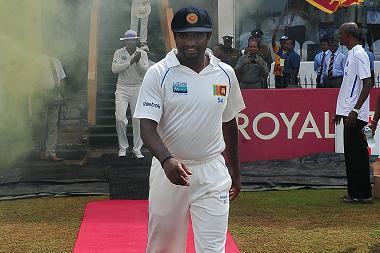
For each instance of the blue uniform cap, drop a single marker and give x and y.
(191, 19)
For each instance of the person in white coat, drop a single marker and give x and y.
(140, 11)
(130, 63)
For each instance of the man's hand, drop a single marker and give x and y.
(373, 127)
(136, 58)
(337, 119)
(247, 60)
(176, 172)
(351, 119)
(235, 187)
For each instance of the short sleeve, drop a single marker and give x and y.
(235, 102)
(362, 66)
(149, 103)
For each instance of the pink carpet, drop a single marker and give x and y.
(121, 226)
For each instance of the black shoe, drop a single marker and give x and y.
(54, 159)
(357, 200)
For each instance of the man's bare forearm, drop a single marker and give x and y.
(231, 138)
(152, 140)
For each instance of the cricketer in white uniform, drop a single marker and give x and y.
(140, 11)
(131, 63)
(187, 103)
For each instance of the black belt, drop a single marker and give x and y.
(334, 77)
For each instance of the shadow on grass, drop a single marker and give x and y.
(374, 248)
(349, 250)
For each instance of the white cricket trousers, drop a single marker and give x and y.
(206, 200)
(143, 27)
(124, 96)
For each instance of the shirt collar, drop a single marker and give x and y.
(172, 60)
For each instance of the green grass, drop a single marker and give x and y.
(278, 221)
(304, 221)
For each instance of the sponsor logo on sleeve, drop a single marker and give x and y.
(180, 88)
(151, 104)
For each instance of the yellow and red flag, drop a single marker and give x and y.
(351, 2)
(330, 6)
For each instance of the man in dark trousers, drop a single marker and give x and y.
(187, 106)
(353, 108)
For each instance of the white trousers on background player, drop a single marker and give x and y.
(143, 27)
(124, 96)
(206, 200)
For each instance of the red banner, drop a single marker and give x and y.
(288, 123)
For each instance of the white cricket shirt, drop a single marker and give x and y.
(131, 75)
(356, 69)
(190, 107)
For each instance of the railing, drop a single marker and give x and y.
(309, 82)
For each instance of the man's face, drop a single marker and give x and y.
(288, 45)
(227, 43)
(252, 47)
(258, 40)
(324, 46)
(333, 46)
(218, 52)
(191, 45)
(343, 37)
(131, 44)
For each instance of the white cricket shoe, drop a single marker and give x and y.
(138, 155)
(122, 152)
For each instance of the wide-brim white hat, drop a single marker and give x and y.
(130, 35)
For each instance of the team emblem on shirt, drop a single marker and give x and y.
(180, 88)
(219, 90)
(192, 18)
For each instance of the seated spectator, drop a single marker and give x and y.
(333, 68)
(251, 69)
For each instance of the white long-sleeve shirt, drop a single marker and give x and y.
(129, 75)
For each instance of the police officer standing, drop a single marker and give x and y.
(231, 54)
(187, 107)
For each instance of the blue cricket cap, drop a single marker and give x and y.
(191, 19)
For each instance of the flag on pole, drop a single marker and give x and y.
(330, 6)
(351, 2)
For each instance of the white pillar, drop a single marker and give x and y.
(226, 18)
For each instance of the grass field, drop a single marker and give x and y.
(278, 221)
